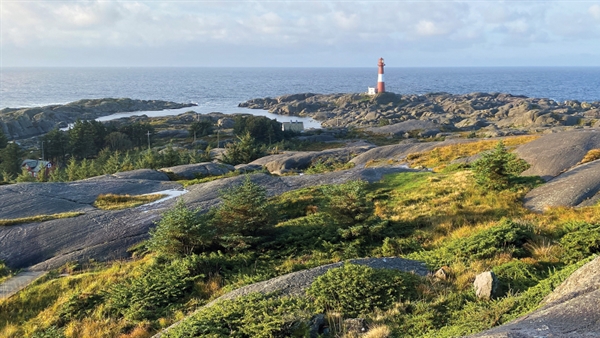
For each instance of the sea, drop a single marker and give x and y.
(222, 89)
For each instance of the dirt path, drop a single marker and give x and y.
(18, 283)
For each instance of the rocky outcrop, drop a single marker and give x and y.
(571, 310)
(198, 170)
(464, 112)
(18, 123)
(104, 235)
(485, 285)
(297, 160)
(555, 153)
(577, 187)
(421, 128)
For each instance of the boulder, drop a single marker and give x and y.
(555, 153)
(191, 171)
(485, 285)
(248, 168)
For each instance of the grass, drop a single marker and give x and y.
(591, 155)
(415, 213)
(440, 157)
(38, 218)
(118, 202)
(187, 183)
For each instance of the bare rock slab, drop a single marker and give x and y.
(576, 187)
(553, 154)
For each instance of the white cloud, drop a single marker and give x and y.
(594, 10)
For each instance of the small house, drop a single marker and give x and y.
(35, 166)
(295, 126)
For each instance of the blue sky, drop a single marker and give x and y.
(300, 33)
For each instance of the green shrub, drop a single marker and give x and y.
(348, 201)
(400, 246)
(255, 315)
(156, 292)
(244, 215)
(79, 306)
(506, 237)
(357, 289)
(181, 231)
(51, 332)
(582, 242)
(495, 169)
(245, 150)
(516, 276)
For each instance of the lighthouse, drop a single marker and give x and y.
(380, 81)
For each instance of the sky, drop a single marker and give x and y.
(276, 33)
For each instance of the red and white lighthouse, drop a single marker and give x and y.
(380, 81)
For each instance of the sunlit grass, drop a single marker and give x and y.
(118, 202)
(38, 218)
(440, 157)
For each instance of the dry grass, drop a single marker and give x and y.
(543, 250)
(439, 157)
(118, 202)
(591, 155)
(379, 331)
(39, 218)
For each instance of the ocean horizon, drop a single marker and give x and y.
(221, 89)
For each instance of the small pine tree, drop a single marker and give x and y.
(244, 215)
(245, 150)
(181, 231)
(495, 169)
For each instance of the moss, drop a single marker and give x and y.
(39, 218)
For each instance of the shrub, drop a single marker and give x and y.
(349, 201)
(495, 168)
(506, 237)
(358, 289)
(255, 315)
(200, 128)
(156, 292)
(400, 246)
(245, 150)
(181, 231)
(516, 276)
(244, 214)
(582, 242)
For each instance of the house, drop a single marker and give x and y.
(35, 166)
(295, 126)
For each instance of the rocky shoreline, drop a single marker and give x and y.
(490, 112)
(19, 123)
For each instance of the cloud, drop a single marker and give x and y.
(293, 29)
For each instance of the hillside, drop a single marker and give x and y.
(349, 234)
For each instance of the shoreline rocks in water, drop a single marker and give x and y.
(487, 111)
(19, 123)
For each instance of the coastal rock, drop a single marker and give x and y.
(468, 111)
(404, 127)
(18, 123)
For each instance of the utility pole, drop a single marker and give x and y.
(148, 140)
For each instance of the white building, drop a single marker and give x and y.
(295, 126)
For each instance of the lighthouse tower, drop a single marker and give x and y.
(380, 81)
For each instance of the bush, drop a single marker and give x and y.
(495, 169)
(506, 237)
(357, 289)
(516, 276)
(244, 215)
(155, 293)
(245, 150)
(349, 201)
(181, 231)
(200, 128)
(254, 315)
(582, 242)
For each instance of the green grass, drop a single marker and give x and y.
(440, 218)
(118, 202)
(187, 183)
(38, 218)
